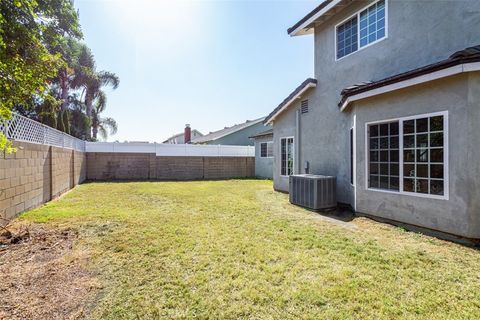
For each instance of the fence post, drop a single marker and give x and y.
(7, 128)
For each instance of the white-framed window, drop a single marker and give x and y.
(409, 155)
(364, 28)
(266, 149)
(347, 37)
(286, 156)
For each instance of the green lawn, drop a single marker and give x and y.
(236, 249)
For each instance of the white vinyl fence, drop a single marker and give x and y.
(20, 128)
(172, 150)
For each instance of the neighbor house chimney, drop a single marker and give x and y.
(187, 133)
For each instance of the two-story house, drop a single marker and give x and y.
(393, 111)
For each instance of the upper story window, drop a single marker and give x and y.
(365, 27)
(372, 23)
(347, 37)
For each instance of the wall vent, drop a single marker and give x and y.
(304, 106)
(313, 191)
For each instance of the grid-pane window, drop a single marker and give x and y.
(266, 149)
(423, 148)
(286, 146)
(347, 37)
(372, 23)
(263, 150)
(408, 155)
(365, 27)
(383, 141)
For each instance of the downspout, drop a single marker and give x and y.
(298, 167)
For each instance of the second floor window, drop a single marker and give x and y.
(347, 37)
(365, 27)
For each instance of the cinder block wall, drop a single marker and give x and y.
(145, 166)
(36, 174)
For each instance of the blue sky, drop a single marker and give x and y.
(208, 63)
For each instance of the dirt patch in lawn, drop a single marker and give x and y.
(42, 276)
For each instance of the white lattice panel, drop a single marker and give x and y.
(20, 128)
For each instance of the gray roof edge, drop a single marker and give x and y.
(266, 133)
(241, 126)
(288, 99)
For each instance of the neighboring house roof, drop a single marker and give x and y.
(181, 134)
(322, 12)
(466, 60)
(226, 131)
(262, 134)
(297, 93)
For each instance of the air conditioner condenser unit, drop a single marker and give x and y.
(312, 191)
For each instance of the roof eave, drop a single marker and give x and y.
(439, 74)
(290, 101)
(251, 123)
(262, 135)
(306, 27)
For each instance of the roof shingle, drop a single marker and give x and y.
(471, 54)
(226, 131)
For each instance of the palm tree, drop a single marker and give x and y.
(69, 49)
(99, 124)
(91, 81)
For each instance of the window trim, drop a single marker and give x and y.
(293, 164)
(267, 143)
(357, 13)
(401, 163)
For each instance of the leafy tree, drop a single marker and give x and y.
(91, 81)
(29, 30)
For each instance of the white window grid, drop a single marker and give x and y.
(347, 37)
(445, 195)
(389, 162)
(372, 23)
(417, 153)
(374, 26)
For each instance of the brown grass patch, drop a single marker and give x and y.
(42, 276)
